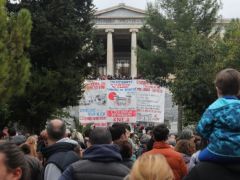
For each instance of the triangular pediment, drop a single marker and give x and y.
(120, 11)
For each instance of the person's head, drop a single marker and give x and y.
(13, 165)
(187, 134)
(151, 167)
(56, 130)
(186, 147)
(172, 139)
(126, 149)
(160, 132)
(12, 132)
(32, 142)
(100, 135)
(227, 82)
(25, 148)
(119, 132)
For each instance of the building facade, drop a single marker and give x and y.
(117, 28)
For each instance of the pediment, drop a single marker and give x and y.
(120, 11)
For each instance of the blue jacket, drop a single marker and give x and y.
(220, 124)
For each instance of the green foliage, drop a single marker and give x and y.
(60, 49)
(14, 64)
(178, 40)
(15, 30)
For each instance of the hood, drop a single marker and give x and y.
(68, 141)
(57, 147)
(103, 153)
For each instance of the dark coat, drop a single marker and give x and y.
(61, 154)
(100, 162)
(213, 171)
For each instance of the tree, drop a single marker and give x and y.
(14, 62)
(229, 46)
(60, 50)
(178, 41)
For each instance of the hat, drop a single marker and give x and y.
(18, 140)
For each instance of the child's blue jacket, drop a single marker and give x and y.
(220, 124)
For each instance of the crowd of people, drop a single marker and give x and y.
(115, 152)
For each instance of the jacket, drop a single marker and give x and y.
(100, 162)
(220, 124)
(174, 159)
(214, 171)
(59, 156)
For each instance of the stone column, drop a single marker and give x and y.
(110, 63)
(134, 53)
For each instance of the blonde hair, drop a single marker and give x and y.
(32, 143)
(151, 167)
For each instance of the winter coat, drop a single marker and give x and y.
(220, 124)
(214, 171)
(100, 162)
(174, 159)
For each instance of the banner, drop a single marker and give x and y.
(129, 101)
(150, 102)
(93, 105)
(121, 101)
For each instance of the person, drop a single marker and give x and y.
(126, 151)
(220, 123)
(32, 142)
(160, 146)
(206, 170)
(186, 134)
(154, 167)
(35, 166)
(101, 160)
(119, 132)
(187, 148)
(13, 165)
(59, 153)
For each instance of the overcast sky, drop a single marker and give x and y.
(230, 8)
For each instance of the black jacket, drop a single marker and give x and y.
(213, 171)
(100, 162)
(61, 154)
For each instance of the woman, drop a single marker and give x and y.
(32, 143)
(151, 167)
(13, 165)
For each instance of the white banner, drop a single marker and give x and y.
(93, 105)
(129, 101)
(150, 102)
(121, 101)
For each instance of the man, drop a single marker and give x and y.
(174, 159)
(101, 161)
(59, 153)
(119, 132)
(210, 170)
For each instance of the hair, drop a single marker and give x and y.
(56, 133)
(117, 130)
(12, 132)
(14, 158)
(32, 143)
(186, 134)
(186, 147)
(160, 132)
(151, 167)
(100, 135)
(126, 149)
(25, 148)
(228, 82)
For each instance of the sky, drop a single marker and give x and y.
(230, 8)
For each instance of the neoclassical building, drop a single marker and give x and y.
(117, 27)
